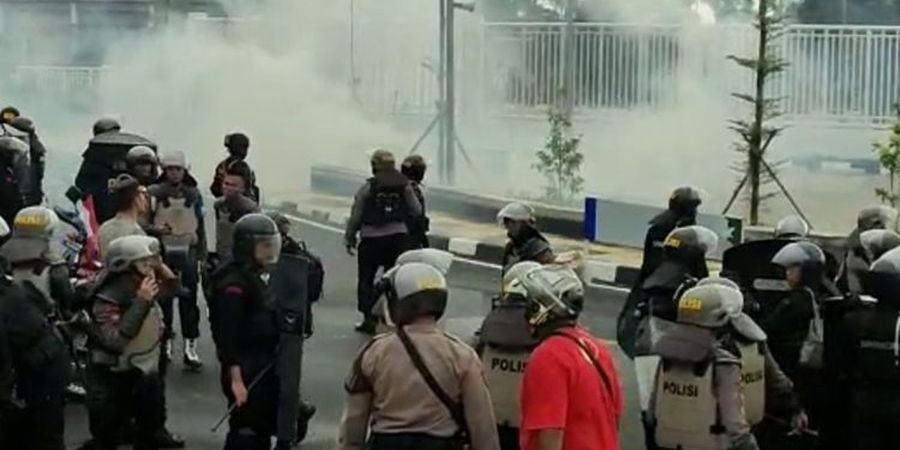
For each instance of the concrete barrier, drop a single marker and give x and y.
(567, 222)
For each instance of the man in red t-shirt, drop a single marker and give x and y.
(571, 398)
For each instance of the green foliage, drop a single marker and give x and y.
(888, 154)
(560, 160)
(756, 134)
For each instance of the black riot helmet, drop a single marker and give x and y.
(809, 257)
(106, 125)
(252, 232)
(238, 144)
(882, 281)
(684, 201)
(689, 246)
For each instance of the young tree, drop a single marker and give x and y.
(757, 133)
(560, 160)
(889, 156)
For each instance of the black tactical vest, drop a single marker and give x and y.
(387, 201)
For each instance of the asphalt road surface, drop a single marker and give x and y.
(195, 401)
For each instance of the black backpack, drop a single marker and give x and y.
(316, 275)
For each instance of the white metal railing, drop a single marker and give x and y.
(836, 74)
(59, 80)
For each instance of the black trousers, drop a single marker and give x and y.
(188, 311)
(509, 437)
(115, 397)
(41, 425)
(375, 253)
(252, 426)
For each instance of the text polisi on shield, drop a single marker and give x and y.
(508, 365)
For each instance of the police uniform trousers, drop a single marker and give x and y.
(113, 398)
(375, 253)
(41, 424)
(410, 441)
(252, 426)
(188, 311)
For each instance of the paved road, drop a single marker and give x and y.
(195, 402)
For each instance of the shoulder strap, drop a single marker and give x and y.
(590, 354)
(456, 410)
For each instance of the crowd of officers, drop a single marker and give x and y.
(798, 350)
(152, 247)
(808, 360)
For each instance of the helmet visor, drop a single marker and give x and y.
(268, 249)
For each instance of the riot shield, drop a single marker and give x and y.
(289, 279)
(750, 266)
(103, 159)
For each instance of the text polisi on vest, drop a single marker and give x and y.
(681, 390)
(508, 365)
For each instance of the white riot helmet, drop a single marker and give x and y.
(741, 322)
(512, 279)
(516, 211)
(692, 239)
(711, 305)
(791, 227)
(125, 251)
(4, 228)
(32, 231)
(174, 159)
(877, 217)
(554, 293)
(439, 259)
(875, 243)
(416, 290)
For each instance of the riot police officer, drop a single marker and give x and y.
(245, 328)
(791, 227)
(33, 360)
(504, 342)
(867, 352)
(854, 262)
(143, 164)
(32, 261)
(37, 159)
(796, 327)
(711, 384)
(439, 259)
(106, 125)
(525, 243)
(15, 175)
(238, 146)
(416, 388)
(381, 210)
(414, 168)
(177, 212)
(683, 264)
(123, 378)
(681, 212)
(233, 205)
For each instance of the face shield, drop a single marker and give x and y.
(791, 227)
(888, 264)
(547, 291)
(267, 249)
(695, 236)
(439, 259)
(799, 254)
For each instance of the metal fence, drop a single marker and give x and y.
(837, 74)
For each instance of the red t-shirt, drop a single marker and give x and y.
(561, 389)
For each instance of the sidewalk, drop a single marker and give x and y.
(483, 242)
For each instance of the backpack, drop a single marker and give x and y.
(316, 275)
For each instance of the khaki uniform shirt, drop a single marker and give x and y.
(388, 395)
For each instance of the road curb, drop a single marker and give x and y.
(595, 272)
